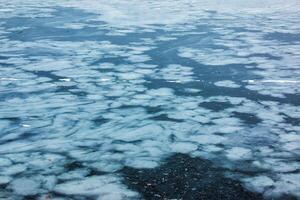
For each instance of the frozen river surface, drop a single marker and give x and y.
(147, 99)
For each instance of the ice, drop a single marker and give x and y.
(259, 183)
(5, 162)
(49, 182)
(106, 166)
(139, 58)
(288, 183)
(201, 119)
(13, 169)
(229, 129)
(4, 180)
(239, 153)
(126, 84)
(227, 83)
(183, 147)
(25, 186)
(76, 174)
(208, 139)
(142, 133)
(142, 163)
(130, 76)
(175, 73)
(161, 92)
(290, 137)
(100, 186)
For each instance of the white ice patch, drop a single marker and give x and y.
(142, 133)
(227, 83)
(101, 186)
(238, 153)
(93, 108)
(211, 57)
(163, 13)
(141, 163)
(75, 174)
(207, 139)
(5, 162)
(259, 183)
(163, 92)
(175, 73)
(25, 186)
(183, 147)
(287, 184)
(13, 169)
(4, 180)
(139, 58)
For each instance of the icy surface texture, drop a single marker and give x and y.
(90, 87)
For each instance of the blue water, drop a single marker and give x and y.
(99, 101)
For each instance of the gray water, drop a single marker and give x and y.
(106, 100)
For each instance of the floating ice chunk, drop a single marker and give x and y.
(106, 166)
(277, 165)
(201, 119)
(49, 182)
(88, 186)
(175, 73)
(183, 147)
(288, 137)
(142, 133)
(192, 90)
(274, 81)
(212, 148)
(272, 116)
(9, 79)
(4, 124)
(291, 146)
(116, 93)
(16, 147)
(75, 174)
(4, 180)
(161, 92)
(25, 186)
(183, 114)
(142, 96)
(49, 65)
(107, 66)
(229, 129)
(139, 58)
(130, 76)
(266, 150)
(141, 163)
(73, 26)
(207, 139)
(96, 185)
(226, 121)
(14, 169)
(227, 83)
(192, 105)
(144, 71)
(65, 79)
(287, 184)
(115, 196)
(258, 183)
(65, 83)
(25, 125)
(146, 66)
(238, 153)
(5, 162)
(45, 160)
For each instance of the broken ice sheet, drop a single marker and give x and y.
(91, 88)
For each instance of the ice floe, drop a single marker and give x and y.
(126, 84)
(96, 186)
